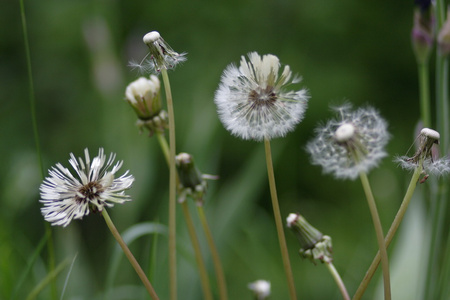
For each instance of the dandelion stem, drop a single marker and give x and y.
(48, 229)
(338, 280)
(278, 222)
(204, 279)
(172, 189)
(390, 235)
(215, 255)
(424, 84)
(379, 233)
(129, 255)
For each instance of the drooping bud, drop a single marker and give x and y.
(314, 245)
(192, 181)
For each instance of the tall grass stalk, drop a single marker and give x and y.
(379, 233)
(278, 222)
(48, 229)
(390, 235)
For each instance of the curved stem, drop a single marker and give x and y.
(204, 279)
(129, 255)
(172, 189)
(379, 233)
(338, 280)
(215, 255)
(390, 235)
(278, 222)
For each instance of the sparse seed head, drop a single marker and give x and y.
(350, 144)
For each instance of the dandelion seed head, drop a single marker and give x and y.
(350, 144)
(430, 133)
(93, 185)
(252, 100)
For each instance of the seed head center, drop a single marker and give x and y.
(89, 191)
(263, 97)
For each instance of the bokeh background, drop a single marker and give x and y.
(349, 50)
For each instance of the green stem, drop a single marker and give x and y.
(48, 229)
(379, 233)
(338, 280)
(278, 222)
(129, 255)
(395, 224)
(172, 189)
(424, 87)
(215, 255)
(204, 279)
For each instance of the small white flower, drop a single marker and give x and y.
(66, 196)
(161, 55)
(252, 100)
(261, 289)
(427, 139)
(351, 144)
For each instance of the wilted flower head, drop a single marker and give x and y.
(67, 196)
(350, 144)
(260, 288)
(422, 34)
(423, 156)
(161, 55)
(192, 181)
(252, 100)
(314, 245)
(144, 97)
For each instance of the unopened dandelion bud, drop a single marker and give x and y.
(422, 34)
(192, 181)
(444, 37)
(260, 289)
(314, 245)
(144, 97)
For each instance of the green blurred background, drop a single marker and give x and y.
(345, 50)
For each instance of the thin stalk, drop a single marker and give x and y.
(48, 229)
(379, 233)
(221, 283)
(440, 196)
(215, 256)
(338, 280)
(390, 235)
(172, 189)
(204, 279)
(424, 87)
(129, 255)
(278, 222)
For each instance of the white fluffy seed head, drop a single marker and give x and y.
(151, 37)
(430, 133)
(344, 132)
